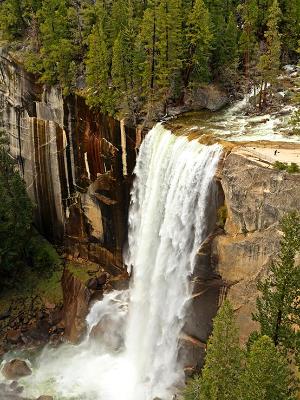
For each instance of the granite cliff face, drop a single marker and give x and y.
(257, 196)
(77, 165)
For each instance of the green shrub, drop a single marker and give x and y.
(293, 168)
(290, 168)
(42, 255)
(280, 166)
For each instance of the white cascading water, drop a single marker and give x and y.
(137, 358)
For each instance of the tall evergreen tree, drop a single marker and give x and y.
(290, 28)
(169, 43)
(220, 12)
(100, 92)
(56, 61)
(12, 22)
(148, 41)
(269, 61)
(248, 40)
(267, 375)
(199, 38)
(229, 54)
(223, 362)
(278, 307)
(125, 62)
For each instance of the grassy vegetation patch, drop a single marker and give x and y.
(83, 270)
(290, 168)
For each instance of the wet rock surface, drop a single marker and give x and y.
(11, 391)
(16, 369)
(76, 305)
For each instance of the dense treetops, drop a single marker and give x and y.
(260, 372)
(127, 53)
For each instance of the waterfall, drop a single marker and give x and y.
(167, 224)
(137, 357)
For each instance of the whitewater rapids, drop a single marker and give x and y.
(168, 221)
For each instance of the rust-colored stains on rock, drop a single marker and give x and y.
(71, 160)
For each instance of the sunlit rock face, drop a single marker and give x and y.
(257, 197)
(71, 160)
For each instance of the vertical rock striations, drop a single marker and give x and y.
(71, 160)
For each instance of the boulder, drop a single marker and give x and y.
(16, 369)
(97, 282)
(210, 97)
(108, 332)
(76, 297)
(92, 284)
(191, 352)
(102, 278)
(13, 336)
(45, 398)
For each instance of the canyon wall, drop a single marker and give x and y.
(257, 197)
(77, 165)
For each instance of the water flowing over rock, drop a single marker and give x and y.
(167, 224)
(132, 349)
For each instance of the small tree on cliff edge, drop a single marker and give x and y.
(266, 375)
(278, 308)
(220, 375)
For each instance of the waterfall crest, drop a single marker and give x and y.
(167, 224)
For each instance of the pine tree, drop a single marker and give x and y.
(229, 53)
(290, 28)
(125, 60)
(267, 375)
(248, 43)
(220, 12)
(57, 53)
(100, 93)
(169, 43)
(199, 39)
(278, 307)
(222, 368)
(269, 61)
(148, 44)
(12, 23)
